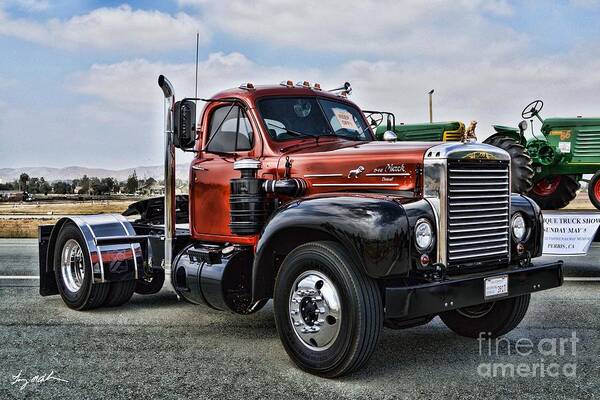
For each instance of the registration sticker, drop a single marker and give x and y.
(564, 147)
(345, 119)
(496, 286)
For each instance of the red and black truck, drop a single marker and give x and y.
(291, 198)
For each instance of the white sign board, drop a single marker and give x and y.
(567, 233)
(345, 119)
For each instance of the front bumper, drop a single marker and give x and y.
(454, 292)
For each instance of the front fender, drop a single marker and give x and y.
(535, 224)
(375, 229)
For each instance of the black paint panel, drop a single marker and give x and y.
(374, 228)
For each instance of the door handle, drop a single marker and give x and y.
(199, 168)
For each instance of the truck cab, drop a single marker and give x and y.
(292, 199)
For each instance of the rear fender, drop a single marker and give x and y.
(113, 262)
(509, 131)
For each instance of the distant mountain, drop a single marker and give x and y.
(68, 173)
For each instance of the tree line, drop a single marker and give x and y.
(83, 185)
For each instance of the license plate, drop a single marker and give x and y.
(496, 286)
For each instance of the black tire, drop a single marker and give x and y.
(119, 293)
(594, 190)
(489, 319)
(152, 285)
(520, 162)
(360, 322)
(564, 190)
(88, 295)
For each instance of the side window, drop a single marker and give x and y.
(230, 130)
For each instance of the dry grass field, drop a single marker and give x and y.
(48, 213)
(22, 228)
(65, 208)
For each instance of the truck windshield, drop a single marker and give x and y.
(293, 117)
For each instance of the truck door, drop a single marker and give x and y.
(228, 134)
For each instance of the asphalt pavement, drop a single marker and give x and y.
(159, 347)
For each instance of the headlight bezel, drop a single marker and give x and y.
(424, 222)
(513, 219)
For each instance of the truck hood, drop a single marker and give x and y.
(357, 166)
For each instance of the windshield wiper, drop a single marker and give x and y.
(292, 132)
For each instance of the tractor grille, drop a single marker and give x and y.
(478, 211)
(587, 143)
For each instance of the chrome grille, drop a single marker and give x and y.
(478, 211)
(587, 143)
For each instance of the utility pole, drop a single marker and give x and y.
(431, 106)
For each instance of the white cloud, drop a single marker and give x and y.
(400, 29)
(28, 5)
(480, 90)
(120, 28)
(131, 85)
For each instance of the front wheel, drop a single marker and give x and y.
(594, 190)
(554, 192)
(488, 319)
(328, 313)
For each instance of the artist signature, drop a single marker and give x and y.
(39, 379)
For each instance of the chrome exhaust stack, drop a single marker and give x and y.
(169, 205)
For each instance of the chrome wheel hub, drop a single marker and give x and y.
(72, 266)
(315, 310)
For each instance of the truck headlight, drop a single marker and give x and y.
(423, 234)
(518, 227)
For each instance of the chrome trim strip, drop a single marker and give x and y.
(478, 203)
(476, 216)
(322, 175)
(389, 174)
(496, 221)
(479, 255)
(472, 242)
(133, 254)
(479, 210)
(477, 170)
(100, 260)
(355, 184)
(480, 235)
(478, 229)
(498, 246)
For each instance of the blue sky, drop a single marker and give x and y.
(78, 78)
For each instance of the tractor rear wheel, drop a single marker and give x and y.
(594, 190)
(521, 165)
(554, 192)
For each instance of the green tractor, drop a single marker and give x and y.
(563, 151)
(546, 166)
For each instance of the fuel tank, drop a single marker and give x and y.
(216, 276)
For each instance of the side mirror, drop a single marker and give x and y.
(389, 136)
(184, 131)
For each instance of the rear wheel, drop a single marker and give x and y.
(151, 284)
(594, 190)
(73, 271)
(119, 293)
(554, 192)
(488, 319)
(521, 165)
(328, 313)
